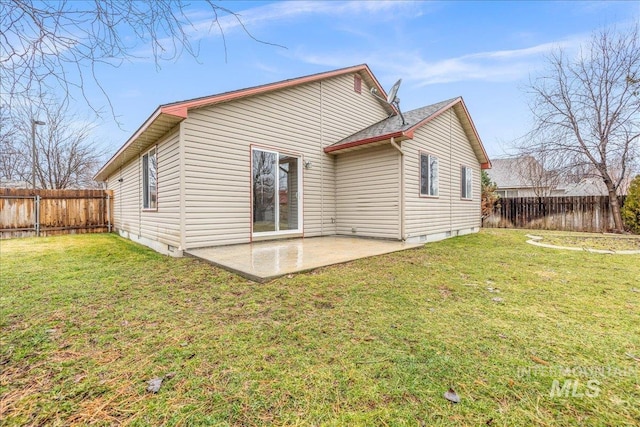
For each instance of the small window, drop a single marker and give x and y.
(150, 179)
(466, 190)
(357, 83)
(428, 175)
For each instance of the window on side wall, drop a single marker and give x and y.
(150, 179)
(428, 175)
(466, 182)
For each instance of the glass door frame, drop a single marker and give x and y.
(299, 195)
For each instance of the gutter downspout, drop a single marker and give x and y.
(395, 145)
(322, 160)
(108, 211)
(182, 188)
(451, 191)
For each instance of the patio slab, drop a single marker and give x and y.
(263, 261)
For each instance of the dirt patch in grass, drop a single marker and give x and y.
(591, 241)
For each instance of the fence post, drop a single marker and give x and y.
(109, 212)
(37, 215)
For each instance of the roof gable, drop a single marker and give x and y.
(166, 116)
(392, 127)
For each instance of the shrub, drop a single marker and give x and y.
(631, 208)
(489, 195)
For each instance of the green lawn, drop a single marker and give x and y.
(86, 320)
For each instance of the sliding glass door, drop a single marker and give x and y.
(276, 192)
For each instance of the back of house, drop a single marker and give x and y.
(312, 156)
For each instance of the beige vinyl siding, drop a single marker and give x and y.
(163, 224)
(445, 139)
(368, 192)
(126, 197)
(299, 120)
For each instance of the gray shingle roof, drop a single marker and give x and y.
(394, 124)
(592, 186)
(507, 173)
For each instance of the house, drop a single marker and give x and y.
(523, 177)
(595, 186)
(312, 156)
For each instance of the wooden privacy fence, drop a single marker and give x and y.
(584, 213)
(48, 212)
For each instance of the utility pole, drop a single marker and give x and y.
(34, 123)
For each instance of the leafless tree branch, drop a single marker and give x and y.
(587, 111)
(66, 156)
(50, 45)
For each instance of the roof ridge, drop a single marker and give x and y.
(357, 67)
(445, 102)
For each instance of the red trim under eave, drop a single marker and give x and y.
(177, 110)
(378, 138)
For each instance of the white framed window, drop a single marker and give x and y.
(150, 179)
(428, 175)
(466, 182)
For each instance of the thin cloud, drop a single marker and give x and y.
(280, 11)
(491, 66)
(204, 24)
(266, 68)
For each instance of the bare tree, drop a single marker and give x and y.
(586, 111)
(634, 82)
(49, 45)
(11, 161)
(538, 170)
(66, 157)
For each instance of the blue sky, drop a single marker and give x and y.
(482, 51)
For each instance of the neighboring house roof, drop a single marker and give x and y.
(593, 186)
(166, 116)
(507, 173)
(587, 187)
(14, 184)
(510, 174)
(392, 127)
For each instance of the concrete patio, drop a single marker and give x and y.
(263, 261)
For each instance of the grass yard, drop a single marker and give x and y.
(87, 320)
